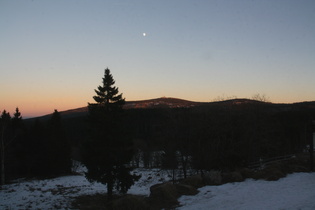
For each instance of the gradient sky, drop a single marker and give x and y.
(53, 53)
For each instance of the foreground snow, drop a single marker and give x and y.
(296, 191)
(58, 193)
(46, 194)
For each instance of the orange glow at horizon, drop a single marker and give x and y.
(38, 106)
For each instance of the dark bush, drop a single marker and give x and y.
(183, 189)
(247, 173)
(234, 176)
(163, 195)
(196, 181)
(270, 174)
(212, 178)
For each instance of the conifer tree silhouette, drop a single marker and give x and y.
(109, 148)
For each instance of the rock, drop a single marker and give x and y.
(163, 195)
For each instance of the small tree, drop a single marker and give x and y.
(14, 146)
(17, 115)
(109, 150)
(35, 151)
(5, 123)
(58, 147)
(260, 97)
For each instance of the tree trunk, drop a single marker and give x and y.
(184, 165)
(312, 152)
(109, 192)
(110, 188)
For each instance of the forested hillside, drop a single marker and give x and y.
(169, 133)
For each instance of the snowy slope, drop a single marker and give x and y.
(296, 191)
(46, 194)
(58, 193)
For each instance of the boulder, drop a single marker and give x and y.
(163, 195)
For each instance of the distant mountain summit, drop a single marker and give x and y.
(163, 102)
(167, 102)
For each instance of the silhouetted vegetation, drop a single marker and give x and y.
(108, 149)
(167, 133)
(222, 135)
(38, 150)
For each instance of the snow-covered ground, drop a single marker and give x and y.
(46, 194)
(296, 191)
(58, 193)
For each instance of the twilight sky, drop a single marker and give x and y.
(53, 53)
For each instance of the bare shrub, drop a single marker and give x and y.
(270, 174)
(196, 181)
(247, 173)
(183, 189)
(212, 178)
(234, 176)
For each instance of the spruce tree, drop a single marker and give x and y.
(58, 150)
(5, 136)
(15, 146)
(109, 149)
(35, 150)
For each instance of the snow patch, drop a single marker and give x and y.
(296, 191)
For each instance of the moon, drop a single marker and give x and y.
(144, 34)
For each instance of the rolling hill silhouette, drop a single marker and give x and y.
(168, 102)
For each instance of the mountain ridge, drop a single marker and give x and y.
(170, 102)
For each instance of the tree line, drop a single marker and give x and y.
(222, 136)
(112, 140)
(44, 150)
(37, 150)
